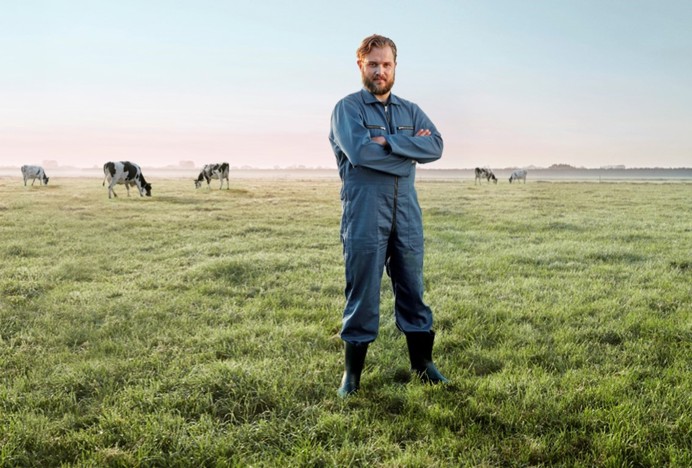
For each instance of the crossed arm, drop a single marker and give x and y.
(382, 141)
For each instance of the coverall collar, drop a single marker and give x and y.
(370, 98)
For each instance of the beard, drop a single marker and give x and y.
(375, 89)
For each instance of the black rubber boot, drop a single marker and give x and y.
(355, 359)
(420, 345)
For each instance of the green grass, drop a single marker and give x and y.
(200, 328)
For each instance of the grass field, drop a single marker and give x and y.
(200, 328)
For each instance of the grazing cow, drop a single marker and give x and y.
(34, 172)
(518, 175)
(127, 173)
(213, 171)
(484, 173)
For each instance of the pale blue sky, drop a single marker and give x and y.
(507, 82)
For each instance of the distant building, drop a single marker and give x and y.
(618, 166)
(562, 167)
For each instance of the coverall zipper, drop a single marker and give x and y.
(396, 178)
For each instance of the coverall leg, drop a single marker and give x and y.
(405, 268)
(405, 264)
(365, 228)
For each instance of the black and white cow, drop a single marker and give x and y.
(213, 171)
(519, 174)
(484, 173)
(127, 173)
(34, 172)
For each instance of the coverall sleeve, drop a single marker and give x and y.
(420, 149)
(353, 138)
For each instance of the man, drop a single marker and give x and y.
(378, 138)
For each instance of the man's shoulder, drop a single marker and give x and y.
(351, 103)
(394, 99)
(356, 97)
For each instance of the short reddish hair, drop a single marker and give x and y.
(373, 41)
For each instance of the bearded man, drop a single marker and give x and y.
(378, 138)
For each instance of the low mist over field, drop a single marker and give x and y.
(534, 174)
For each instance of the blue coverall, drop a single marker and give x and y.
(381, 224)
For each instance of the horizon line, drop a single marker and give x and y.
(560, 167)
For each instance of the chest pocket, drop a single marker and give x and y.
(405, 130)
(376, 130)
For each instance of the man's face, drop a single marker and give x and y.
(377, 70)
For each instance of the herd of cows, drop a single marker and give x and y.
(487, 174)
(130, 174)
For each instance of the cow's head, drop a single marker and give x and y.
(198, 183)
(147, 189)
(45, 180)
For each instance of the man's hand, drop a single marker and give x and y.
(382, 141)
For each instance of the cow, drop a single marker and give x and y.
(518, 175)
(127, 173)
(213, 171)
(484, 173)
(33, 173)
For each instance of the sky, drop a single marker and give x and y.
(509, 83)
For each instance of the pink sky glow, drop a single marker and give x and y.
(509, 83)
